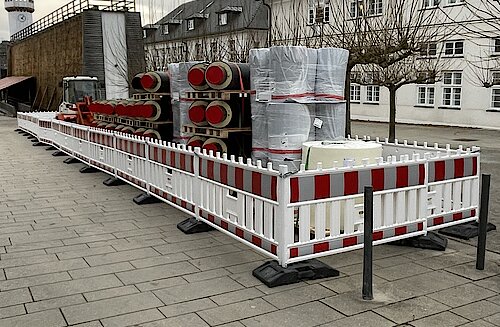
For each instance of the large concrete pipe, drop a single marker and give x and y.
(156, 82)
(228, 76)
(196, 113)
(196, 77)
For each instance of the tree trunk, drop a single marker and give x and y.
(347, 96)
(392, 113)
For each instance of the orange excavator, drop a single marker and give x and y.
(78, 94)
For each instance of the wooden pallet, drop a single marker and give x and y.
(213, 95)
(149, 96)
(222, 133)
(150, 124)
(105, 118)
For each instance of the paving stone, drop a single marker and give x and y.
(392, 261)
(187, 307)
(186, 246)
(461, 295)
(204, 275)
(236, 311)
(24, 261)
(15, 255)
(110, 292)
(299, 295)
(101, 270)
(349, 283)
(74, 286)
(494, 319)
(491, 283)
(19, 296)
(400, 271)
(67, 248)
(44, 268)
(131, 245)
(494, 299)
(445, 260)
(363, 319)
(135, 318)
(191, 320)
(478, 323)
(42, 238)
(232, 324)
(34, 280)
(161, 283)
(238, 296)
(102, 259)
(159, 260)
(225, 260)
(54, 303)
(197, 290)
(305, 315)
(246, 279)
(15, 310)
(34, 246)
(85, 253)
(352, 303)
(110, 307)
(443, 319)
(49, 318)
(136, 232)
(468, 270)
(212, 251)
(157, 272)
(88, 324)
(88, 239)
(412, 309)
(477, 310)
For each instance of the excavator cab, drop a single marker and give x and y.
(78, 93)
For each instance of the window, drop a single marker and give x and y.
(425, 95)
(198, 51)
(495, 98)
(164, 29)
(454, 2)
(428, 49)
(374, 7)
(356, 8)
(373, 93)
(496, 46)
(430, 3)
(223, 19)
(326, 13)
(190, 23)
(454, 48)
(495, 78)
(311, 15)
(452, 89)
(355, 93)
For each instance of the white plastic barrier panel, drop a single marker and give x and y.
(130, 159)
(102, 153)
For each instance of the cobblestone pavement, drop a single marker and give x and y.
(76, 253)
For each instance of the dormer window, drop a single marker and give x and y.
(164, 29)
(190, 24)
(223, 19)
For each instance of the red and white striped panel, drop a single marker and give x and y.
(250, 181)
(448, 218)
(81, 134)
(348, 241)
(339, 183)
(131, 179)
(452, 168)
(170, 158)
(169, 197)
(44, 124)
(129, 146)
(102, 139)
(101, 165)
(243, 234)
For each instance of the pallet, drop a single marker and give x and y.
(105, 118)
(224, 95)
(149, 124)
(149, 96)
(222, 133)
(131, 122)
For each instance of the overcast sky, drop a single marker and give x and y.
(152, 10)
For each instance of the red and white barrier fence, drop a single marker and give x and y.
(289, 217)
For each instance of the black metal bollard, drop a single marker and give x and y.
(368, 245)
(483, 221)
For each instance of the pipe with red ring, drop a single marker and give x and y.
(121, 108)
(221, 114)
(156, 82)
(140, 131)
(136, 82)
(228, 76)
(216, 145)
(196, 77)
(102, 124)
(196, 113)
(196, 141)
(153, 110)
(151, 133)
(110, 126)
(128, 130)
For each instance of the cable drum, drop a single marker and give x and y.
(228, 76)
(156, 82)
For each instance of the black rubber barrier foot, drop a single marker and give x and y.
(431, 241)
(38, 143)
(272, 274)
(51, 148)
(59, 154)
(145, 198)
(88, 170)
(71, 160)
(193, 226)
(465, 231)
(18, 130)
(34, 140)
(25, 134)
(112, 181)
(31, 137)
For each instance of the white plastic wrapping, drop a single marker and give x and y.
(328, 122)
(331, 73)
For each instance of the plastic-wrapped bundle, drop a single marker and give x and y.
(331, 73)
(259, 81)
(288, 129)
(328, 121)
(293, 72)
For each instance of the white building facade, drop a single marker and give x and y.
(20, 14)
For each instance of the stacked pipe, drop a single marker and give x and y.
(306, 100)
(220, 114)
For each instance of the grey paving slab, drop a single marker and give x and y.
(74, 287)
(445, 260)
(478, 310)
(237, 296)
(101, 270)
(110, 292)
(102, 259)
(461, 295)
(352, 303)
(412, 309)
(298, 296)
(85, 252)
(161, 283)
(494, 319)
(49, 318)
(190, 319)
(33, 280)
(110, 307)
(133, 319)
(401, 271)
(15, 310)
(478, 323)
(54, 303)
(45, 268)
(349, 283)
(468, 270)
(159, 260)
(305, 315)
(236, 311)
(368, 318)
(157, 272)
(23, 261)
(187, 307)
(208, 274)
(443, 319)
(19, 296)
